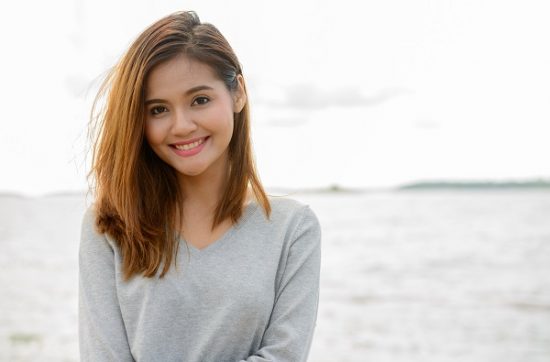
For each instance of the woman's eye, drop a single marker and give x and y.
(157, 110)
(201, 100)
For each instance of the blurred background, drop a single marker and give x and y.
(414, 129)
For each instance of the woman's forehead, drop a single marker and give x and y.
(179, 73)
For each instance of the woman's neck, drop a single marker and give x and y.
(203, 192)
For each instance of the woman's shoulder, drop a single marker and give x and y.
(90, 210)
(296, 220)
(286, 205)
(89, 217)
(89, 229)
(286, 202)
(291, 210)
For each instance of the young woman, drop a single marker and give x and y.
(173, 164)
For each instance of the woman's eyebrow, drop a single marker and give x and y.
(188, 92)
(197, 89)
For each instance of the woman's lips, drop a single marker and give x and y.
(189, 148)
(189, 141)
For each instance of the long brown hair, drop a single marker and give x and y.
(137, 197)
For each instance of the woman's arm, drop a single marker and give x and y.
(290, 331)
(102, 335)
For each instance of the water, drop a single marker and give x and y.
(410, 276)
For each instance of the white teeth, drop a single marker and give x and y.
(190, 145)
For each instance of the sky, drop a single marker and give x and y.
(359, 94)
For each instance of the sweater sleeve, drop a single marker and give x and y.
(290, 331)
(102, 335)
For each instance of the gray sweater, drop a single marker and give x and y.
(250, 296)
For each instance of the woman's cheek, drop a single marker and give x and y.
(155, 131)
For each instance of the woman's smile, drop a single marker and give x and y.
(190, 148)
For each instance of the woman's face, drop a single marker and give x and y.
(189, 116)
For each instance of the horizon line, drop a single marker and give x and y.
(335, 187)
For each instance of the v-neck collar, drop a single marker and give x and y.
(247, 212)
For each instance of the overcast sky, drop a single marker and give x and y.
(362, 94)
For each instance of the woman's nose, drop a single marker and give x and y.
(183, 122)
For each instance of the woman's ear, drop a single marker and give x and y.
(239, 95)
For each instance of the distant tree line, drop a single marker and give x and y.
(532, 184)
